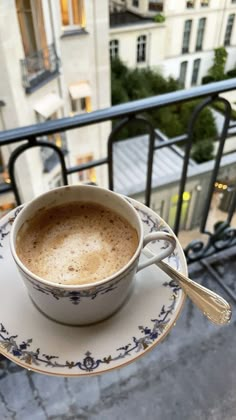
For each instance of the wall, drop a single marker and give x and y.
(165, 41)
(128, 36)
(83, 57)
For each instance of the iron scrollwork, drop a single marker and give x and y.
(223, 237)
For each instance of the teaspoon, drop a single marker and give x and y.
(213, 306)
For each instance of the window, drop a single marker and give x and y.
(141, 48)
(114, 48)
(81, 105)
(155, 5)
(200, 33)
(183, 72)
(72, 14)
(87, 174)
(190, 4)
(80, 93)
(31, 22)
(229, 29)
(135, 3)
(196, 66)
(204, 3)
(186, 36)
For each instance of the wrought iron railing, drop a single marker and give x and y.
(224, 235)
(39, 67)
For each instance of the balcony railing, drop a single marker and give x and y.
(223, 234)
(38, 68)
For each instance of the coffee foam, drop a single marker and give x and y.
(76, 243)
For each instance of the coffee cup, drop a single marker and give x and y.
(103, 277)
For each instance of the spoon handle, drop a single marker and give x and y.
(213, 306)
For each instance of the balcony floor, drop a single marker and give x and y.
(191, 375)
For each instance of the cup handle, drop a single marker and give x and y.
(164, 253)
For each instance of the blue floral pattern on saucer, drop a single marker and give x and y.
(148, 334)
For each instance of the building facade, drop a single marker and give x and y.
(181, 42)
(54, 63)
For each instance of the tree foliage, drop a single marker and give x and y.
(133, 84)
(159, 18)
(217, 71)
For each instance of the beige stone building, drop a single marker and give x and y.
(182, 46)
(54, 63)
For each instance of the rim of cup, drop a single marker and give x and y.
(75, 286)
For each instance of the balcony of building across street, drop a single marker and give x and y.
(39, 68)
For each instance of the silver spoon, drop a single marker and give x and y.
(213, 306)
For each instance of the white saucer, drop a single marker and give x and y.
(35, 342)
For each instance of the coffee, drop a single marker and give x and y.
(76, 243)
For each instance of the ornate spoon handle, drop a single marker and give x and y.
(213, 306)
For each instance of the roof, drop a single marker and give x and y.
(130, 165)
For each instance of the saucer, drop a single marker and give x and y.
(33, 341)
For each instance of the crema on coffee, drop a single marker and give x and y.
(76, 243)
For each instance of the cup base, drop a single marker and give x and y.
(84, 324)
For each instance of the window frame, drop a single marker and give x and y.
(186, 33)
(200, 34)
(81, 105)
(114, 46)
(141, 49)
(183, 80)
(190, 4)
(86, 175)
(195, 72)
(205, 3)
(34, 36)
(229, 29)
(71, 26)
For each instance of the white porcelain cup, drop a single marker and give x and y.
(86, 303)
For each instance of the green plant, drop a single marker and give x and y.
(218, 68)
(219, 106)
(118, 94)
(207, 79)
(159, 18)
(202, 151)
(132, 84)
(231, 73)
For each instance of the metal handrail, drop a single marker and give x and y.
(116, 112)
